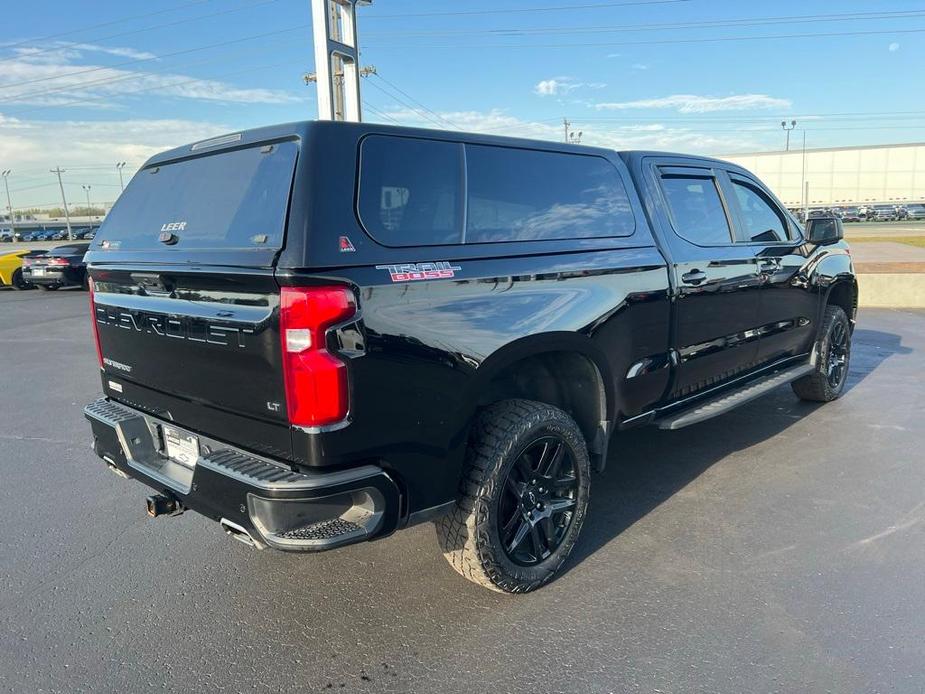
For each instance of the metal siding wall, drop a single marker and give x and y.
(875, 174)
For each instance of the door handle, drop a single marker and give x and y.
(694, 277)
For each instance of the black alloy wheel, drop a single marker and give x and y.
(538, 502)
(837, 362)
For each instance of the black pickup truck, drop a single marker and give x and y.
(319, 333)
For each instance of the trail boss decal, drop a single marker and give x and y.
(409, 272)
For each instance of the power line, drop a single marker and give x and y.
(171, 85)
(140, 31)
(554, 8)
(657, 42)
(380, 113)
(106, 81)
(713, 23)
(423, 114)
(412, 99)
(182, 6)
(252, 37)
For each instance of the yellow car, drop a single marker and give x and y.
(11, 270)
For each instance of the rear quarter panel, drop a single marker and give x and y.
(431, 348)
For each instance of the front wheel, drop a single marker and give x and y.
(827, 382)
(523, 497)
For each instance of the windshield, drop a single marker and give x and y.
(236, 199)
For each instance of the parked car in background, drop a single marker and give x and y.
(11, 264)
(817, 213)
(850, 214)
(6, 235)
(62, 266)
(882, 213)
(915, 211)
(11, 274)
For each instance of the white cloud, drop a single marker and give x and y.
(61, 76)
(31, 148)
(560, 86)
(640, 66)
(893, 47)
(692, 103)
(655, 136)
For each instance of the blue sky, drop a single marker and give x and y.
(84, 85)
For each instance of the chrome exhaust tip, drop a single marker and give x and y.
(240, 534)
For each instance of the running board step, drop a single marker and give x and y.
(730, 401)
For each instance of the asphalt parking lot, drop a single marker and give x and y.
(780, 548)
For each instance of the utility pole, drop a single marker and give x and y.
(67, 215)
(119, 167)
(787, 130)
(337, 56)
(9, 203)
(87, 191)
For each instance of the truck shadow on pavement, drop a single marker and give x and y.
(647, 466)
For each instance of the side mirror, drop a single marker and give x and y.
(821, 230)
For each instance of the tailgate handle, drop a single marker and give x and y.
(151, 283)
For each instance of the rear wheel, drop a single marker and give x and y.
(523, 498)
(827, 382)
(18, 282)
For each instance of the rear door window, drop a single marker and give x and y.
(529, 195)
(696, 209)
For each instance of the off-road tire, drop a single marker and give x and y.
(817, 387)
(469, 534)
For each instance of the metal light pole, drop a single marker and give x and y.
(119, 167)
(805, 201)
(787, 130)
(87, 191)
(570, 135)
(67, 215)
(9, 203)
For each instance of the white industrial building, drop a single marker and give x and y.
(841, 175)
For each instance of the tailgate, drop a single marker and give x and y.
(185, 303)
(210, 337)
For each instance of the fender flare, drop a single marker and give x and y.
(546, 343)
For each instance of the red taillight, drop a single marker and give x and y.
(96, 327)
(316, 380)
(57, 261)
